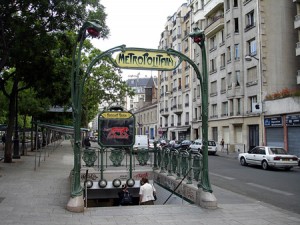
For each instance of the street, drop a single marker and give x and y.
(276, 187)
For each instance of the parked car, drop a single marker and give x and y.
(141, 142)
(151, 143)
(267, 156)
(196, 147)
(183, 145)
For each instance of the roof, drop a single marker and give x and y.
(140, 82)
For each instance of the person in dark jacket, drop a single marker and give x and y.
(125, 198)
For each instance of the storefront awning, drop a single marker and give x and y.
(163, 129)
(182, 129)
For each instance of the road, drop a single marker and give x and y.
(276, 187)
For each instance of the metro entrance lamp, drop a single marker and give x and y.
(92, 29)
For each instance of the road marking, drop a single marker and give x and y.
(271, 189)
(218, 175)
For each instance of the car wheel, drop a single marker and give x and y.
(287, 168)
(243, 161)
(265, 165)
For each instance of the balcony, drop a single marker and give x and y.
(216, 24)
(224, 114)
(178, 110)
(174, 107)
(164, 112)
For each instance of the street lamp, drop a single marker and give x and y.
(93, 29)
(207, 197)
(249, 59)
(199, 38)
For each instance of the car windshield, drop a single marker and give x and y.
(277, 151)
(211, 143)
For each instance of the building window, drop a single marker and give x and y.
(213, 67)
(228, 54)
(179, 83)
(252, 47)
(187, 81)
(179, 120)
(222, 61)
(252, 100)
(231, 107)
(227, 5)
(166, 105)
(250, 20)
(222, 37)
(215, 133)
(228, 29)
(239, 106)
(214, 110)
(236, 52)
(235, 3)
(186, 101)
(223, 85)
(213, 88)
(187, 118)
(225, 108)
(179, 47)
(237, 78)
(252, 76)
(212, 43)
(236, 25)
(229, 83)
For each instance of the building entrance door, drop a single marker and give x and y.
(253, 136)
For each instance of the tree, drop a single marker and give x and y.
(29, 35)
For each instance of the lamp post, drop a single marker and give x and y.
(260, 100)
(207, 198)
(199, 38)
(93, 29)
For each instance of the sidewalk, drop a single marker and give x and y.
(37, 197)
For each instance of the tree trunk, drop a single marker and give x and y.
(10, 125)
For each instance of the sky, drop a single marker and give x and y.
(136, 23)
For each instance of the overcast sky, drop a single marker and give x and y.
(136, 23)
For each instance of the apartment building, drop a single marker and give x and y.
(250, 53)
(138, 84)
(146, 111)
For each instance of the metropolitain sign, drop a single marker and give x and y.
(146, 59)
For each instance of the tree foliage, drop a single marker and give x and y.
(36, 48)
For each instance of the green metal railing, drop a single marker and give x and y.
(166, 160)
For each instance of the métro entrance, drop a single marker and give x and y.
(131, 58)
(108, 168)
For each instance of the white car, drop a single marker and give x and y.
(196, 147)
(151, 143)
(267, 156)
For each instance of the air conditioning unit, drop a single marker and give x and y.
(256, 107)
